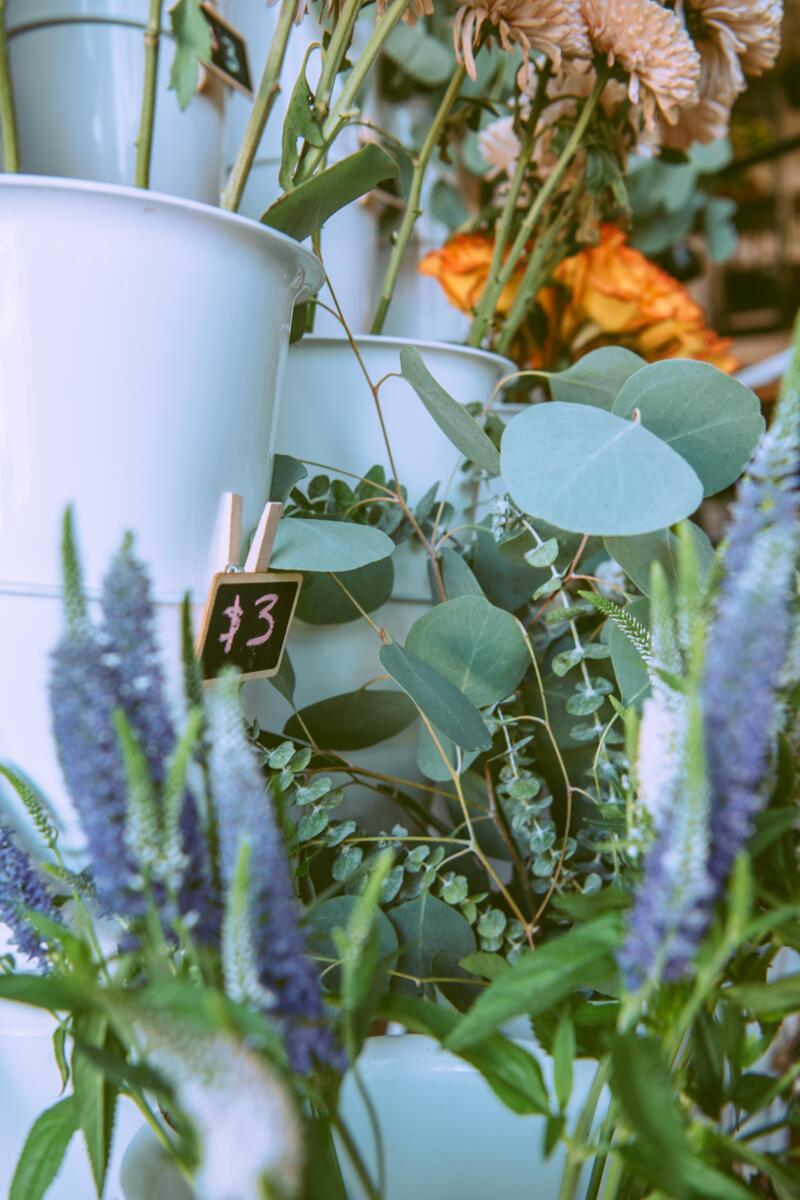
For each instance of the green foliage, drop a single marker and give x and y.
(44, 1150)
(597, 378)
(452, 418)
(33, 805)
(709, 418)
(324, 600)
(585, 470)
(636, 555)
(95, 1097)
(355, 720)
(436, 698)
(192, 34)
(305, 209)
(433, 938)
(308, 545)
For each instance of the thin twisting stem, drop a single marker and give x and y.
(152, 48)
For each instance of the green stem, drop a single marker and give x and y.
(485, 311)
(355, 81)
(413, 207)
(496, 284)
(583, 1129)
(334, 56)
(268, 91)
(355, 1158)
(538, 267)
(144, 142)
(8, 120)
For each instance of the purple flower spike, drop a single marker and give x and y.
(21, 889)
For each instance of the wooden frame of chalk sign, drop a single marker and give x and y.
(248, 612)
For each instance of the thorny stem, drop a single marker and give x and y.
(144, 142)
(268, 91)
(495, 284)
(413, 207)
(8, 120)
(484, 313)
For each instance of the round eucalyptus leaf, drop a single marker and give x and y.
(433, 937)
(596, 378)
(709, 418)
(353, 720)
(478, 647)
(309, 545)
(335, 914)
(588, 471)
(323, 602)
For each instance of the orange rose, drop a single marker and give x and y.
(461, 266)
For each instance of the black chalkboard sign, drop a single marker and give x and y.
(228, 53)
(245, 623)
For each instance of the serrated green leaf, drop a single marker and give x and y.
(44, 1150)
(95, 1097)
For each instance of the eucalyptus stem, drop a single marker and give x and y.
(413, 207)
(268, 91)
(502, 231)
(355, 81)
(8, 120)
(497, 282)
(144, 142)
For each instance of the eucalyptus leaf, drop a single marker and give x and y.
(479, 648)
(597, 378)
(457, 575)
(336, 913)
(308, 545)
(541, 979)
(427, 59)
(433, 937)
(442, 703)
(323, 602)
(505, 582)
(304, 210)
(284, 680)
(354, 720)
(286, 472)
(588, 471)
(452, 418)
(636, 555)
(709, 418)
(430, 762)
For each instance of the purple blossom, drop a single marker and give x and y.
(750, 636)
(244, 812)
(21, 889)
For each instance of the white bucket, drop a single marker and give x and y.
(142, 341)
(78, 73)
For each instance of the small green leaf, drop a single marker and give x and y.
(452, 418)
(323, 600)
(305, 210)
(544, 554)
(441, 702)
(286, 472)
(433, 937)
(311, 824)
(354, 720)
(564, 1050)
(346, 862)
(458, 578)
(597, 378)
(308, 545)
(192, 34)
(44, 1150)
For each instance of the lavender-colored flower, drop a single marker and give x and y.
(245, 815)
(21, 889)
(750, 637)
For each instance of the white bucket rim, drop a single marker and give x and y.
(390, 341)
(313, 271)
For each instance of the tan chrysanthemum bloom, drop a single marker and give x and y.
(553, 27)
(706, 122)
(415, 10)
(652, 45)
(500, 146)
(731, 30)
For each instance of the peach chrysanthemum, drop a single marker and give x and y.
(652, 45)
(735, 36)
(500, 146)
(416, 9)
(553, 27)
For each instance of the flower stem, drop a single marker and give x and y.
(334, 56)
(413, 210)
(8, 120)
(144, 142)
(355, 81)
(538, 267)
(268, 91)
(485, 312)
(495, 284)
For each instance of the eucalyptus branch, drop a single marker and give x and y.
(413, 210)
(497, 282)
(268, 91)
(8, 120)
(152, 48)
(502, 230)
(342, 110)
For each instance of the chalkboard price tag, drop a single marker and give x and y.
(246, 622)
(228, 53)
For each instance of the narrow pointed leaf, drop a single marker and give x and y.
(441, 702)
(452, 418)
